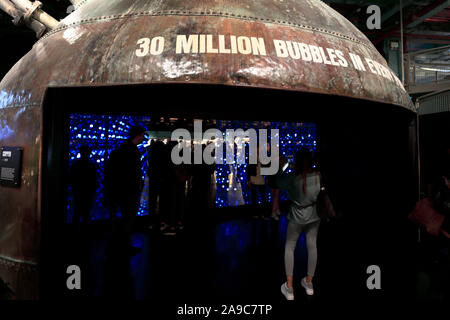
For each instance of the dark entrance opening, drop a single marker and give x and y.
(366, 153)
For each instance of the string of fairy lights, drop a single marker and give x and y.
(232, 178)
(104, 133)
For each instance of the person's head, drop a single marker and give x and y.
(85, 151)
(303, 164)
(303, 161)
(136, 134)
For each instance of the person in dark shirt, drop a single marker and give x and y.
(176, 177)
(257, 184)
(157, 173)
(201, 184)
(84, 181)
(154, 173)
(124, 183)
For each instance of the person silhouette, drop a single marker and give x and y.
(201, 188)
(303, 187)
(156, 174)
(257, 184)
(123, 185)
(176, 176)
(83, 178)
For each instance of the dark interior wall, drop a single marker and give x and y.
(434, 144)
(372, 180)
(365, 151)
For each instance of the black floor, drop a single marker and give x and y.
(243, 260)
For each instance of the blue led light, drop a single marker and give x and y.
(110, 131)
(102, 135)
(290, 142)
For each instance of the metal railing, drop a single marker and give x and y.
(427, 70)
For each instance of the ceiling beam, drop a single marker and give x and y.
(395, 9)
(430, 13)
(436, 36)
(412, 19)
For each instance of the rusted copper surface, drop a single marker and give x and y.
(19, 214)
(97, 43)
(109, 31)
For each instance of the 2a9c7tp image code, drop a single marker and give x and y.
(229, 158)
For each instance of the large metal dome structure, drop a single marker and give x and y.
(291, 45)
(97, 44)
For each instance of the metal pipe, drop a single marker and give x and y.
(45, 19)
(32, 10)
(36, 26)
(401, 41)
(75, 2)
(419, 173)
(18, 16)
(10, 9)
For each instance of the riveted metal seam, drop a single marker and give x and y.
(216, 14)
(21, 105)
(4, 260)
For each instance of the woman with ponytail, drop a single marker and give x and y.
(303, 187)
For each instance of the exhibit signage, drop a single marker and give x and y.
(10, 166)
(257, 46)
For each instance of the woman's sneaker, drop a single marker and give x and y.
(308, 287)
(287, 292)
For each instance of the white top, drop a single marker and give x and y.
(301, 211)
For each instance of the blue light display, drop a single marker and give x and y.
(104, 133)
(292, 137)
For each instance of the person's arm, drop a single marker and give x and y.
(284, 180)
(322, 184)
(445, 233)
